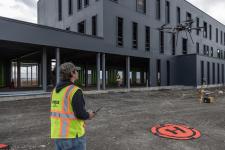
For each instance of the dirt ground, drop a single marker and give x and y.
(123, 123)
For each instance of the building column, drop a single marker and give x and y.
(57, 65)
(86, 75)
(98, 70)
(27, 74)
(142, 77)
(128, 71)
(15, 72)
(40, 74)
(18, 74)
(44, 69)
(149, 73)
(103, 72)
(31, 75)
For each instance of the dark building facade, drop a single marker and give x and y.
(132, 24)
(107, 38)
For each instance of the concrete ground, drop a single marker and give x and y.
(123, 123)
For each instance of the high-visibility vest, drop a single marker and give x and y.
(64, 124)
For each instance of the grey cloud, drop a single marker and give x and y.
(211, 7)
(29, 3)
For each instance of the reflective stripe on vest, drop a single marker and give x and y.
(63, 116)
(63, 122)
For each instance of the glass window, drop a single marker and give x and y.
(81, 27)
(60, 10)
(119, 31)
(141, 6)
(167, 11)
(135, 35)
(147, 38)
(158, 9)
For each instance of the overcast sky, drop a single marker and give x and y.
(26, 10)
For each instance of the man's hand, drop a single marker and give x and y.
(91, 115)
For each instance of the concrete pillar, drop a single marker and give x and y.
(39, 74)
(103, 72)
(31, 75)
(98, 70)
(15, 72)
(18, 74)
(44, 69)
(142, 77)
(149, 73)
(27, 75)
(57, 65)
(86, 75)
(134, 77)
(128, 71)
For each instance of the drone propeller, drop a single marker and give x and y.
(190, 21)
(197, 28)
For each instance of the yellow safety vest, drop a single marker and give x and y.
(64, 125)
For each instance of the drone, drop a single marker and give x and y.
(185, 26)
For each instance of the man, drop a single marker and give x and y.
(68, 112)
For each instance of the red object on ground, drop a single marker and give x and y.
(176, 131)
(4, 147)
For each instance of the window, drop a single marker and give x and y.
(188, 16)
(214, 73)
(141, 6)
(205, 30)
(168, 72)
(204, 50)
(86, 3)
(68, 28)
(221, 37)
(94, 25)
(167, 11)
(224, 39)
(70, 6)
(208, 73)
(184, 44)
(173, 44)
(158, 9)
(197, 48)
(210, 32)
(207, 50)
(218, 73)
(81, 27)
(119, 31)
(79, 4)
(217, 38)
(218, 53)
(197, 25)
(135, 35)
(158, 72)
(161, 40)
(60, 10)
(202, 72)
(178, 15)
(222, 73)
(221, 54)
(212, 52)
(147, 38)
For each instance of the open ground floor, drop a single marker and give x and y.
(35, 67)
(123, 123)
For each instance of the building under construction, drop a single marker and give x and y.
(111, 40)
